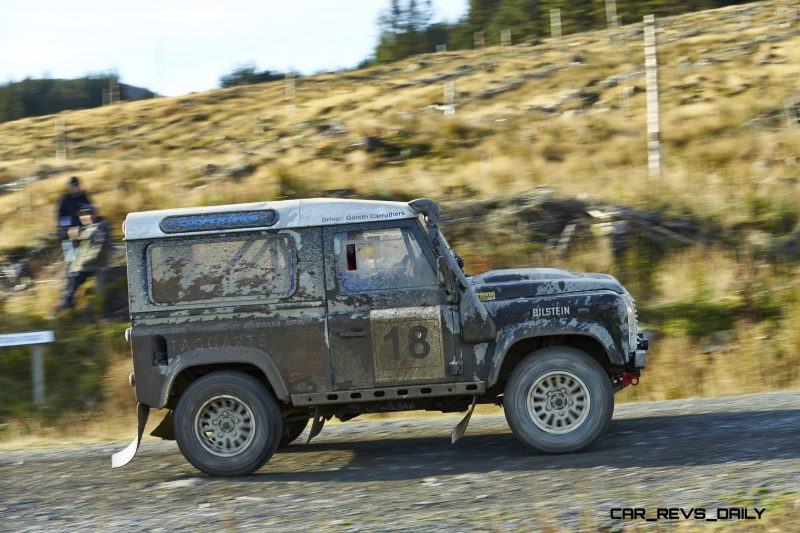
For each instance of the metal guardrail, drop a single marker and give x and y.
(35, 339)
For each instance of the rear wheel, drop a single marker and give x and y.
(227, 424)
(558, 400)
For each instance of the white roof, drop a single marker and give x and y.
(291, 214)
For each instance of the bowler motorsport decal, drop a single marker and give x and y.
(543, 312)
(219, 221)
(407, 344)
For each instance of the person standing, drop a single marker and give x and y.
(93, 240)
(69, 205)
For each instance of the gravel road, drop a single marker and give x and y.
(404, 475)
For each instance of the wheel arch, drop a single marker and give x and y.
(521, 347)
(189, 366)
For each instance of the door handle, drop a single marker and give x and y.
(350, 334)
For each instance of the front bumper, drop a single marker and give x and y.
(640, 354)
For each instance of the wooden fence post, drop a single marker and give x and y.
(555, 24)
(653, 110)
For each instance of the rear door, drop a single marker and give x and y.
(388, 319)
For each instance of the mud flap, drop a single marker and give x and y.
(461, 427)
(164, 430)
(316, 425)
(123, 457)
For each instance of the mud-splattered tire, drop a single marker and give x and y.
(558, 400)
(292, 430)
(227, 424)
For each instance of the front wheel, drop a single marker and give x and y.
(558, 400)
(227, 424)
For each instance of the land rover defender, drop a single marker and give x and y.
(248, 321)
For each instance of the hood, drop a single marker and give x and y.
(528, 282)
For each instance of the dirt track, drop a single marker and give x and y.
(404, 474)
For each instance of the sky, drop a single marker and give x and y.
(174, 47)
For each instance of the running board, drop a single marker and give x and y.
(472, 388)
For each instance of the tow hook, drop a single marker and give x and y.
(629, 378)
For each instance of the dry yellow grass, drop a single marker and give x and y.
(153, 154)
(115, 420)
(729, 157)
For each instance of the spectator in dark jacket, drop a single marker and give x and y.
(68, 206)
(93, 243)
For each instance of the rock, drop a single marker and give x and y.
(340, 193)
(739, 89)
(372, 143)
(332, 128)
(250, 499)
(719, 341)
(240, 171)
(611, 81)
(559, 222)
(545, 109)
(179, 484)
(601, 105)
(692, 99)
(571, 113)
(588, 97)
(418, 65)
(708, 61)
(616, 79)
(767, 58)
(691, 33)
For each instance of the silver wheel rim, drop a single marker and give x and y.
(558, 402)
(225, 426)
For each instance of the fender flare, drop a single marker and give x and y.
(529, 330)
(222, 356)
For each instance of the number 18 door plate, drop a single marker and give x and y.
(407, 344)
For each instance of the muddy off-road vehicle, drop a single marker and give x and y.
(250, 320)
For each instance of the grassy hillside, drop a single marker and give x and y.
(527, 116)
(566, 117)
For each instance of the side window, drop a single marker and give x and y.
(379, 260)
(202, 271)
